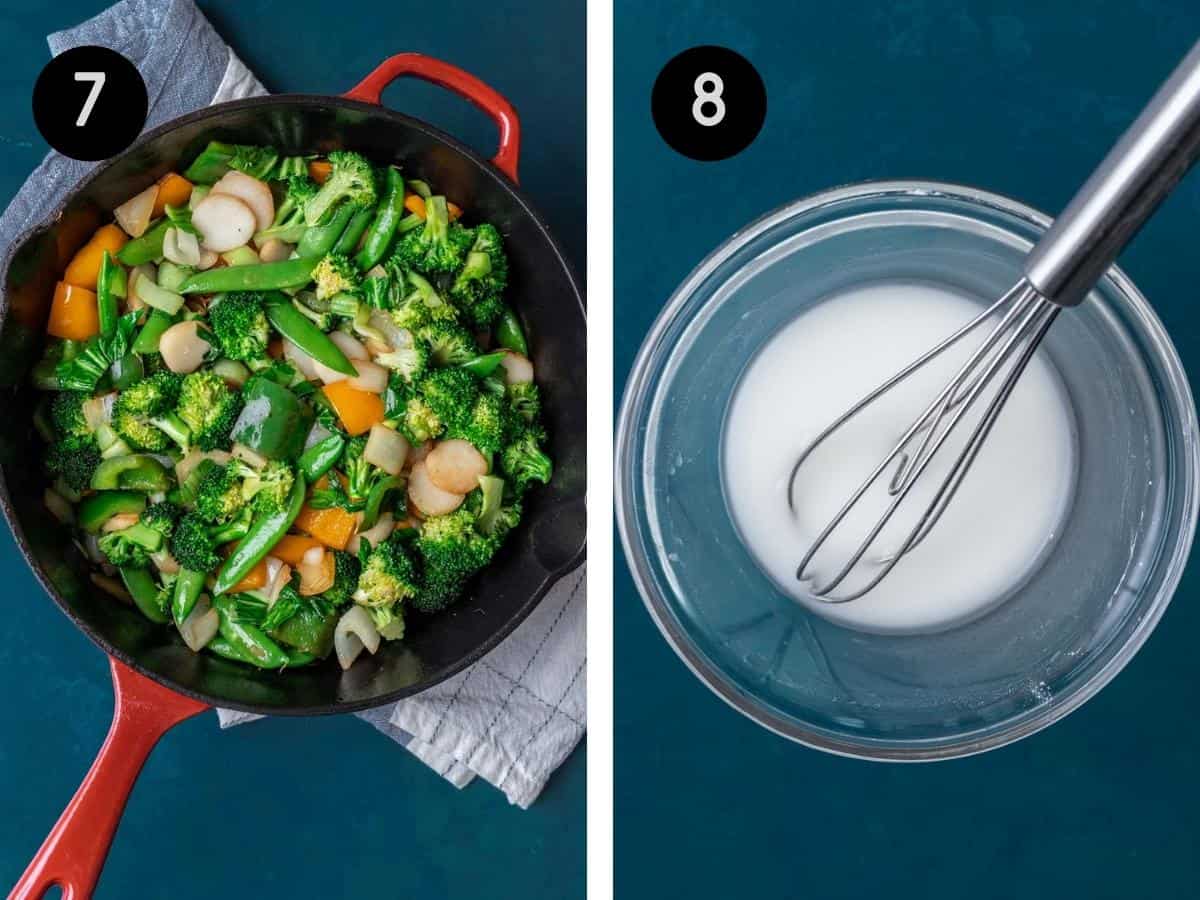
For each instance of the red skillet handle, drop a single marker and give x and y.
(74, 852)
(466, 85)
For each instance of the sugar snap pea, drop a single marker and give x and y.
(321, 457)
(263, 277)
(249, 641)
(509, 333)
(146, 248)
(106, 299)
(387, 218)
(144, 592)
(319, 239)
(188, 586)
(354, 230)
(264, 533)
(484, 365)
(301, 331)
(98, 508)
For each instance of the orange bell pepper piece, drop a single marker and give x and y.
(454, 210)
(74, 314)
(173, 189)
(358, 410)
(292, 547)
(333, 527)
(254, 579)
(319, 170)
(415, 205)
(84, 267)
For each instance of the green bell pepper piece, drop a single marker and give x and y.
(156, 323)
(272, 422)
(147, 248)
(376, 498)
(485, 365)
(321, 457)
(301, 331)
(309, 631)
(133, 472)
(289, 273)
(265, 532)
(143, 590)
(509, 333)
(97, 509)
(127, 371)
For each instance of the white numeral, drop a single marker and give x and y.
(97, 80)
(708, 87)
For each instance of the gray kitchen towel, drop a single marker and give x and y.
(513, 717)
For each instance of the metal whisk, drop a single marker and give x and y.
(1138, 173)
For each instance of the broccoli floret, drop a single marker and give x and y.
(422, 305)
(268, 488)
(451, 394)
(219, 494)
(336, 274)
(479, 287)
(437, 246)
(388, 577)
(74, 459)
(289, 224)
(131, 546)
(142, 414)
(420, 422)
(524, 400)
(485, 426)
(409, 362)
(345, 578)
(523, 461)
(306, 303)
(208, 407)
(360, 474)
(449, 344)
(240, 325)
(161, 517)
(66, 413)
(192, 546)
(451, 551)
(351, 180)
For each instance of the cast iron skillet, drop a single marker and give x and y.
(157, 680)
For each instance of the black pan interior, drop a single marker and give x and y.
(552, 535)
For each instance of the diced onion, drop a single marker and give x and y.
(349, 345)
(517, 368)
(134, 214)
(386, 449)
(192, 458)
(97, 411)
(119, 522)
(372, 377)
(397, 338)
(165, 562)
(201, 625)
(316, 434)
(354, 632)
(111, 586)
(279, 573)
(58, 506)
(317, 570)
(251, 457)
(181, 247)
(301, 360)
(375, 535)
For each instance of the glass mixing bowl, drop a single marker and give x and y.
(1067, 631)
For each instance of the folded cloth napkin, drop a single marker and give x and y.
(513, 717)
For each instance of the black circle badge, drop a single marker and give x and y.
(709, 103)
(89, 103)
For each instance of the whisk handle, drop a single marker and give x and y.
(1145, 165)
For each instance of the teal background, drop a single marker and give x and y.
(313, 807)
(1020, 97)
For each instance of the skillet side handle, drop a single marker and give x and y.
(74, 852)
(466, 85)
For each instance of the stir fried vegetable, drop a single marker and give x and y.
(291, 403)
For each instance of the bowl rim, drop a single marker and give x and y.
(639, 390)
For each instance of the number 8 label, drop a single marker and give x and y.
(708, 89)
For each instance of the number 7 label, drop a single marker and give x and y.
(97, 80)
